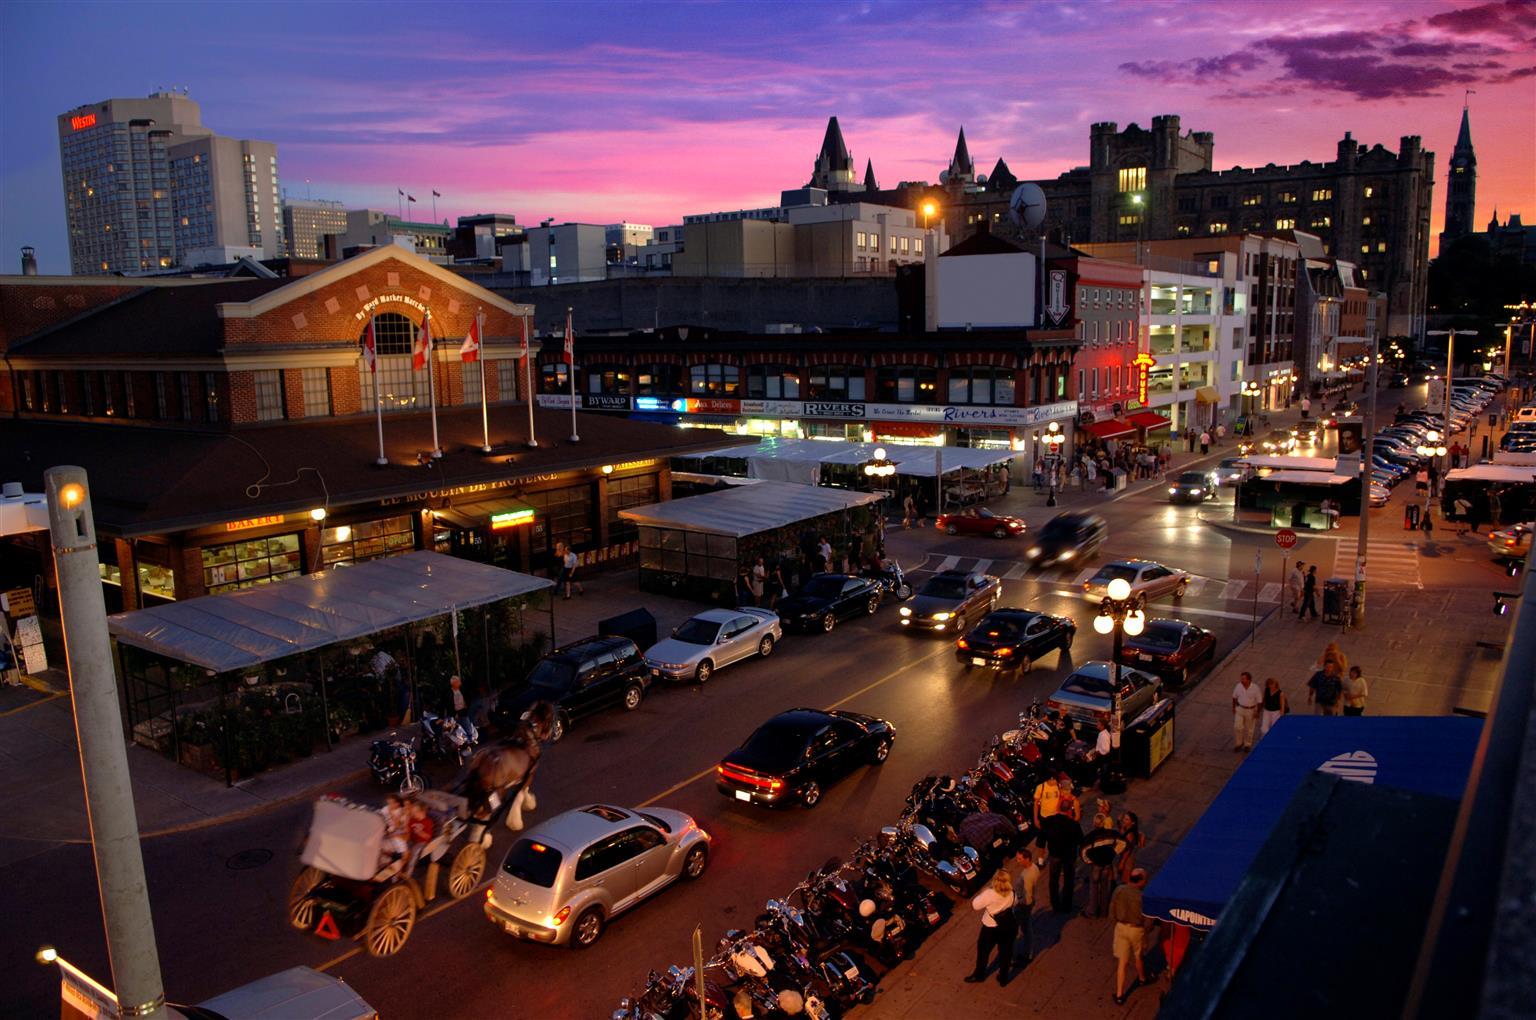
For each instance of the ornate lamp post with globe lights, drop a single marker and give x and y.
(1433, 446)
(1121, 612)
(880, 468)
(1053, 439)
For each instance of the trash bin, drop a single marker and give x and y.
(1411, 517)
(1148, 740)
(638, 625)
(1335, 596)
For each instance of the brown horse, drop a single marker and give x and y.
(506, 769)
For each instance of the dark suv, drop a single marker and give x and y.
(579, 678)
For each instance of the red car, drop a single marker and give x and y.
(980, 522)
(1169, 648)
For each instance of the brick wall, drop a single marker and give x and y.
(27, 308)
(293, 393)
(242, 397)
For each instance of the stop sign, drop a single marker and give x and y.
(1285, 538)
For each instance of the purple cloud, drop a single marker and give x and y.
(1193, 71)
(1495, 17)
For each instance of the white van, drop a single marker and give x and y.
(1527, 413)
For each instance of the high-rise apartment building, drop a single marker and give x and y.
(145, 183)
(306, 222)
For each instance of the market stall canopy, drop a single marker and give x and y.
(800, 460)
(245, 628)
(1110, 428)
(1420, 755)
(748, 510)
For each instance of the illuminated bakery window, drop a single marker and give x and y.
(369, 540)
(248, 563)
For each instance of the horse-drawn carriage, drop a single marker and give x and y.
(350, 885)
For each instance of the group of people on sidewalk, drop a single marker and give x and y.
(1335, 688)
(1051, 849)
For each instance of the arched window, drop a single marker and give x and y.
(400, 386)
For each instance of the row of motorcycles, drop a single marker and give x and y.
(820, 951)
(446, 737)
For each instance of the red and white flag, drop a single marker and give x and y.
(470, 349)
(570, 341)
(422, 350)
(522, 347)
(370, 350)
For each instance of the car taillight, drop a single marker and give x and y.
(561, 917)
(962, 643)
(1005, 651)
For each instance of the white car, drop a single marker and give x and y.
(714, 638)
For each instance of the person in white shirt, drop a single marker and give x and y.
(570, 563)
(456, 690)
(1246, 699)
(998, 927)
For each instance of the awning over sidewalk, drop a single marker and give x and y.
(1148, 420)
(246, 628)
(1111, 428)
(747, 510)
(1421, 755)
(1208, 395)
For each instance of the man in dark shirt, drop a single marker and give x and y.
(990, 835)
(1063, 838)
(1325, 689)
(1309, 594)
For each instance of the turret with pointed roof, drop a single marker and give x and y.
(962, 170)
(834, 164)
(1461, 185)
(1001, 179)
(869, 176)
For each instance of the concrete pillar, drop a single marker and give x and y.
(129, 573)
(109, 804)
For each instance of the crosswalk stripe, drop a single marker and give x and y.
(1085, 575)
(1016, 572)
(1196, 585)
(1270, 592)
(947, 563)
(982, 566)
(1234, 589)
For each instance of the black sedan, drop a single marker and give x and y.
(1169, 648)
(1013, 639)
(796, 755)
(827, 598)
(1192, 487)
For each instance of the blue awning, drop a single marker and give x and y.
(1422, 755)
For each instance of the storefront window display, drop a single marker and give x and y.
(251, 562)
(156, 581)
(565, 516)
(370, 540)
(623, 493)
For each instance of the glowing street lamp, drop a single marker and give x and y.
(929, 209)
(1121, 612)
(880, 467)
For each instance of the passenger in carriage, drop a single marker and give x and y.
(419, 829)
(395, 818)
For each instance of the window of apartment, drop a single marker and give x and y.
(1322, 194)
(1218, 227)
(917, 246)
(1370, 191)
(28, 393)
(1182, 230)
(1365, 220)
(893, 244)
(470, 381)
(1129, 219)
(1288, 197)
(1365, 249)
(1253, 199)
(1082, 375)
(835, 382)
(1133, 178)
(1188, 203)
(1093, 383)
(506, 380)
(393, 334)
(316, 383)
(211, 395)
(861, 239)
(981, 385)
(905, 384)
(714, 380)
(554, 378)
(87, 395)
(610, 380)
(904, 243)
(185, 381)
(658, 380)
(269, 394)
(1381, 246)
(1285, 223)
(1220, 201)
(1322, 221)
(773, 382)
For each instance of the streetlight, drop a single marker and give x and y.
(928, 210)
(1253, 391)
(1450, 363)
(1053, 439)
(1121, 612)
(880, 467)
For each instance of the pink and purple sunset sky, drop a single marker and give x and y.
(600, 112)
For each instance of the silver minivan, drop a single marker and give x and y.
(564, 880)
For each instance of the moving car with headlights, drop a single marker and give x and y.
(1013, 638)
(1169, 648)
(1066, 538)
(1306, 434)
(1192, 487)
(793, 757)
(949, 599)
(1232, 471)
(1146, 577)
(1512, 543)
(827, 598)
(980, 522)
(714, 638)
(1086, 694)
(565, 880)
(580, 678)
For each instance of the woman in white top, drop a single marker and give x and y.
(999, 926)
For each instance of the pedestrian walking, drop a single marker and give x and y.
(1421, 481)
(1135, 839)
(1102, 846)
(1205, 441)
(1306, 407)
(998, 928)
(1325, 689)
(1246, 699)
(571, 561)
(1063, 839)
(908, 511)
(1275, 705)
(1130, 932)
(1025, 867)
(1293, 585)
(1308, 594)
(824, 553)
(1355, 692)
(1221, 433)
(1039, 474)
(758, 581)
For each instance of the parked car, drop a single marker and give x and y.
(1169, 648)
(1013, 638)
(580, 678)
(714, 638)
(1511, 543)
(563, 881)
(1067, 537)
(793, 757)
(1232, 471)
(1086, 694)
(980, 522)
(1146, 577)
(950, 598)
(1192, 487)
(827, 598)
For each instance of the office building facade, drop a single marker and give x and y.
(306, 224)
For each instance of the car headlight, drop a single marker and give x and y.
(906, 610)
(1196, 491)
(1068, 554)
(1034, 550)
(942, 616)
(1173, 490)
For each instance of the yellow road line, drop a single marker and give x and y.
(52, 694)
(893, 674)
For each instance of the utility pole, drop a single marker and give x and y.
(109, 805)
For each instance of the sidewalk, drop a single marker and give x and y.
(1420, 655)
(46, 803)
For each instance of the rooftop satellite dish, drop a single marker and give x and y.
(1026, 207)
(943, 176)
(981, 179)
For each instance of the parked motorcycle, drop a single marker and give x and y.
(891, 580)
(448, 737)
(393, 763)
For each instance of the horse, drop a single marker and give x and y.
(499, 778)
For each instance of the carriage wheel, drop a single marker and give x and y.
(301, 908)
(464, 874)
(390, 921)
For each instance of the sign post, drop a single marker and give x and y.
(1285, 538)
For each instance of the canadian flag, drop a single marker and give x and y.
(522, 347)
(370, 350)
(470, 349)
(423, 347)
(570, 340)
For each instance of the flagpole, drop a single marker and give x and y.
(378, 404)
(437, 449)
(570, 371)
(400, 202)
(528, 382)
(485, 411)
